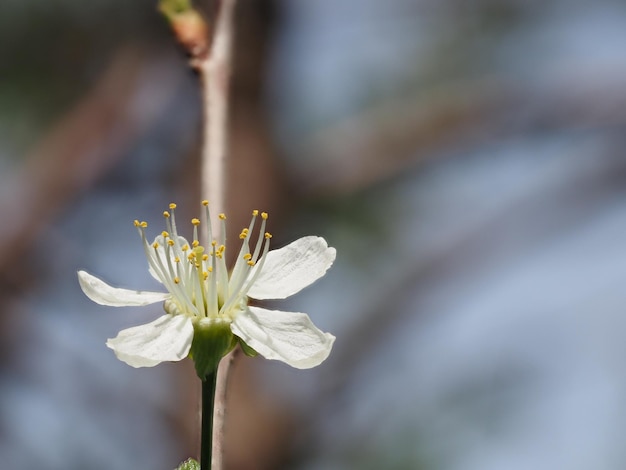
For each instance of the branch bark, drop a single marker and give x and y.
(215, 72)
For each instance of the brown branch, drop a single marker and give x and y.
(215, 71)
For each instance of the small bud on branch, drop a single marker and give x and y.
(189, 27)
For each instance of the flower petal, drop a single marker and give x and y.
(104, 294)
(284, 336)
(292, 268)
(168, 338)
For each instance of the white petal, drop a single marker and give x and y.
(285, 336)
(102, 293)
(292, 268)
(168, 338)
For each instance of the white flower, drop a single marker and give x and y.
(202, 296)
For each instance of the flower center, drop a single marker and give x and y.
(196, 275)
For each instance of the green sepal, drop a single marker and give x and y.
(247, 350)
(189, 464)
(212, 340)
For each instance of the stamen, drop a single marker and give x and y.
(222, 238)
(211, 296)
(207, 214)
(239, 269)
(164, 274)
(203, 292)
(168, 275)
(172, 206)
(258, 268)
(259, 242)
(199, 282)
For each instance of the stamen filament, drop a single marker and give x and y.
(199, 297)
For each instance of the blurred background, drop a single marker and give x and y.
(466, 159)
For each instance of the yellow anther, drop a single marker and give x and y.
(213, 243)
(164, 234)
(143, 224)
(255, 213)
(244, 233)
(247, 256)
(210, 269)
(268, 235)
(155, 245)
(177, 259)
(250, 263)
(205, 202)
(166, 214)
(177, 280)
(170, 242)
(191, 256)
(172, 206)
(195, 243)
(205, 257)
(205, 274)
(222, 216)
(136, 223)
(264, 215)
(195, 221)
(185, 247)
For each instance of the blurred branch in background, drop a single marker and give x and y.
(89, 140)
(396, 136)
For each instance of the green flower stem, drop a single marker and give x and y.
(208, 405)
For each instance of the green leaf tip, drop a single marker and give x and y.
(189, 464)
